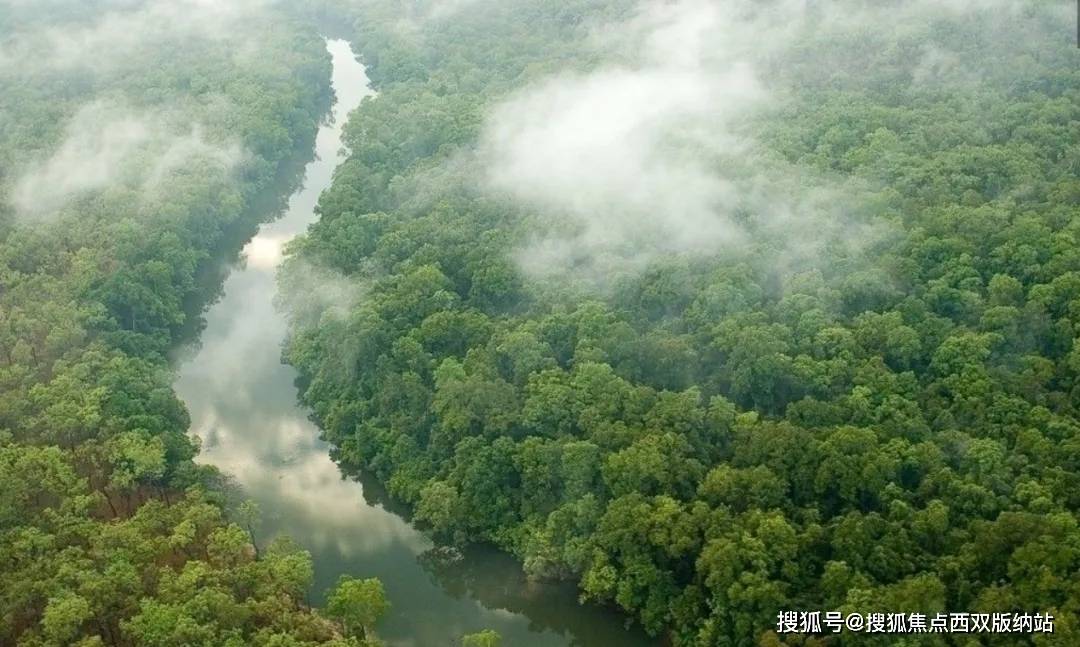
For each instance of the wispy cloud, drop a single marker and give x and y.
(123, 30)
(658, 151)
(109, 144)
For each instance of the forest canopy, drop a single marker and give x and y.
(717, 309)
(138, 139)
(714, 309)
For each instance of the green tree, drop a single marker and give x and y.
(485, 638)
(358, 604)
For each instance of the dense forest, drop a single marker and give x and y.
(717, 309)
(714, 309)
(137, 139)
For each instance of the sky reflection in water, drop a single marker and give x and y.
(242, 401)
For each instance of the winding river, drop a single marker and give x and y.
(243, 405)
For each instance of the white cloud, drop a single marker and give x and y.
(126, 30)
(438, 9)
(310, 294)
(630, 151)
(109, 144)
(655, 152)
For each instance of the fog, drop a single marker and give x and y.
(48, 34)
(658, 152)
(439, 9)
(310, 294)
(626, 149)
(133, 135)
(108, 144)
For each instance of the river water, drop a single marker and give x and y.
(243, 405)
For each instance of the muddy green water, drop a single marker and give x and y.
(243, 405)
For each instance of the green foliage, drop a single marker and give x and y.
(358, 604)
(891, 425)
(109, 533)
(485, 638)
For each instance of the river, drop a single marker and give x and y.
(243, 405)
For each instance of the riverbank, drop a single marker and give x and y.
(243, 403)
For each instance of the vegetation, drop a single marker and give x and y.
(358, 604)
(486, 638)
(885, 424)
(109, 533)
(872, 406)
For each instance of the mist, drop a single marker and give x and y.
(659, 151)
(625, 150)
(124, 31)
(108, 139)
(108, 144)
(311, 294)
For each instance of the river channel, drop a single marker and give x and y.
(243, 405)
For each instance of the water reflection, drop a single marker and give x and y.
(242, 401)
